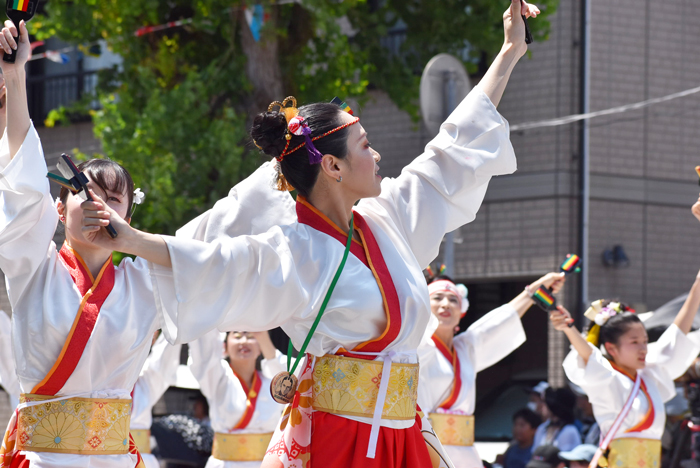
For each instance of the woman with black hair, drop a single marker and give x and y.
(450, 363)
(81, 326)
(559, 429)
(357, 267)
(627, 379)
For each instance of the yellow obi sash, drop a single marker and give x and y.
(81, 426)
(349, 386)
(142, 439)
(240, 447)
(637, 453)
(453, 429)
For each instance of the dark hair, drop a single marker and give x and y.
(440, 278)
(561, 402)
(529, 416)
(109, 176)
(617, 325)
(270, 129)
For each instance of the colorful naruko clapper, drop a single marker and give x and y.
(543, 297)
(18, 10)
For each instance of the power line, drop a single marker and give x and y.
(612, 111)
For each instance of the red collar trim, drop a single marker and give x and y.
(369, 253)
(94, 292)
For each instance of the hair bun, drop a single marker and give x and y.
(268, 132)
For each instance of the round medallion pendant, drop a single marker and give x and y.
(283, 387)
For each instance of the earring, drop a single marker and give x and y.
(339, 179)
(63, 219)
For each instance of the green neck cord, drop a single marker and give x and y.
(302, 351)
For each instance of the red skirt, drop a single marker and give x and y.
(341, 442)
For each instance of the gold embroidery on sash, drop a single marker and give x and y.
(350, 387)
(82, 426)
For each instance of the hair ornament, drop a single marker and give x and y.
(139, 196)
(296, 125)
(289, 111)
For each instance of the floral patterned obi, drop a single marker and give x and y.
(453, 429)
(240, 446)
(82, 426)
(349, 386)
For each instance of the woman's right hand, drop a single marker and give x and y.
(8, 44)
(560, 318)
(96, 215)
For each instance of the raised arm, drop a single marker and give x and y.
(560, 320)
(15, 79)
(685, 317)
(494, 82)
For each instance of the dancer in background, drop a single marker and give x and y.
(449, 362)
(241, 409)
(626, 379)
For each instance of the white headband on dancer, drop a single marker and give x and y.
(458, 290)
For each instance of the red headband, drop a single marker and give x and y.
(301, 145)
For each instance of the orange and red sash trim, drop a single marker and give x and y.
(94, 292)
(251, 402)
(451, 356)
(648, 418)
(368, 252)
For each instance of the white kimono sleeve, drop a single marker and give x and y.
(494, 336)
(669, 358)
(158, 373)
(253, 206)
(27, 216)
(598, 379)
(8, 375)
(247, 283)
(443, 188)
(215, 377)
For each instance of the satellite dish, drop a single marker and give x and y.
(442, 87)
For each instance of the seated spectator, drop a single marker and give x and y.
(546, 456)
(579, 457)
(525, 424)
(559, 430)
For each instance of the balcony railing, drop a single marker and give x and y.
(46, 93)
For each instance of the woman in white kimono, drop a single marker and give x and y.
(242, 411)
(81, 327)
(158, 373)
(362, 363)
(449, 363)
(615, 363)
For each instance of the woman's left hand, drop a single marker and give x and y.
(514, 26)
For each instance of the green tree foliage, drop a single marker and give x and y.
(176, 112)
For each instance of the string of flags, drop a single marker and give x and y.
(255, 16)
